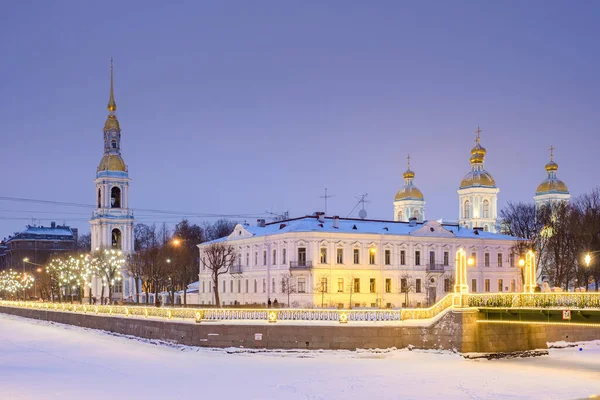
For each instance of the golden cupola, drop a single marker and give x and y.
(409, 191)
(478, 175)
(111, 160)
(551, 184)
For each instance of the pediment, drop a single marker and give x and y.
(239, 232)
(432, 229)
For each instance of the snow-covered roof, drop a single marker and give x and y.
(44, 232)
(311, 223)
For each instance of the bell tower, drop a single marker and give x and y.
(112, 221)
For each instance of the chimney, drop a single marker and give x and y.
(260, 223)
(412, 221)
(336, 221)
(321, 216)
(52, 224)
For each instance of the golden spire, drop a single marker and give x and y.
(478, 152)
(112, 106)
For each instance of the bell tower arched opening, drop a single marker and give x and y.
(116, 239)
(115, 197)
(99, 198)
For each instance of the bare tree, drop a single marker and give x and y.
(219, 229)
(218, 258)
(288, 285)
(186, 239)
(135, 265)
(322, 287)
(406, 286)
(351, 289)
(84, 243)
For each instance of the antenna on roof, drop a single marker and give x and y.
(362, 199)
(278, 216)
(326, 197)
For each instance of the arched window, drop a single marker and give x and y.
(486, 209)
(116, 238)
(486, 228)
(467, 210)
(416, 214)
(113, 144)
(99, 198)
(115, 197)
(400, 215)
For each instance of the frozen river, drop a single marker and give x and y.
(40, 360)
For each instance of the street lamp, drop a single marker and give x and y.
(24, 261)
(176, 242)
(530, 272)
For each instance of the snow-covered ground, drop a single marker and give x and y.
(40, 360)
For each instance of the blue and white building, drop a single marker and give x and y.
(112, 221)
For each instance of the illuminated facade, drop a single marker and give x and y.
(339, 262)
(112, 221)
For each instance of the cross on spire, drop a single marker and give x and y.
(552, 148)
(478, 131)
(408, 161)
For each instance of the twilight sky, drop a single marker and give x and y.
(239, 107)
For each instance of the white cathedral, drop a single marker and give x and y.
(112, 221)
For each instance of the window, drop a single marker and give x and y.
(356, 285)
(255, 286)
(323, 288)
(372, 285)
(403, 285)
(118, 287)
(467, 210)
(247, 259)
(388, 285)
(323, 255)
(446, 258)
(372, 256)
(418, 286)
(512, 260)
(474, 285)
(264, 257)
(417, 258)
(302, 256)
(432, 258)
(264, 285)
(340, 285)
(487, 285)
(210, 287)
(486, 209)
(224, 287)
(400, 216)
(447, 285)
(115, 197)
(113, 144)
(402, 257)
(274, 259)
(340, 256)
(388, 257)
(273, 290)
(301, 285)
(500, 285)
(99, 198)
(203, 286)
(486, 228)
(283, 256)
(513, 285)
(247, 286)
(474, 257)
(255, 258)
(499, 259)
(231, 286)
(416, 215)
(356, 256)
(486, 259)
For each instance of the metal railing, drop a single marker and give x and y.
(235, 269)
(435, 267)
(301, 264)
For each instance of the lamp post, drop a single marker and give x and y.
(529, 273)
(24, 261)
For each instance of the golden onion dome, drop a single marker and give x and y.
(111, 123)
(409, 193)
(551, 166)
(478, 178)
(112, 162)
(408, 174)
(552, 185)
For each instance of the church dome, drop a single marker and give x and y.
(551, 166)
(408, 174)
(112, 162)
(478, 178)
(478, 153)
(409, 193)
(552, 186)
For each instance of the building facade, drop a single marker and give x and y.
(37, 244)
(478, 194)
(338, 262)
(112, 221)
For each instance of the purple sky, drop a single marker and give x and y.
(242, 107)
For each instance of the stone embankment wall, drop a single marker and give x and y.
(463, 330)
